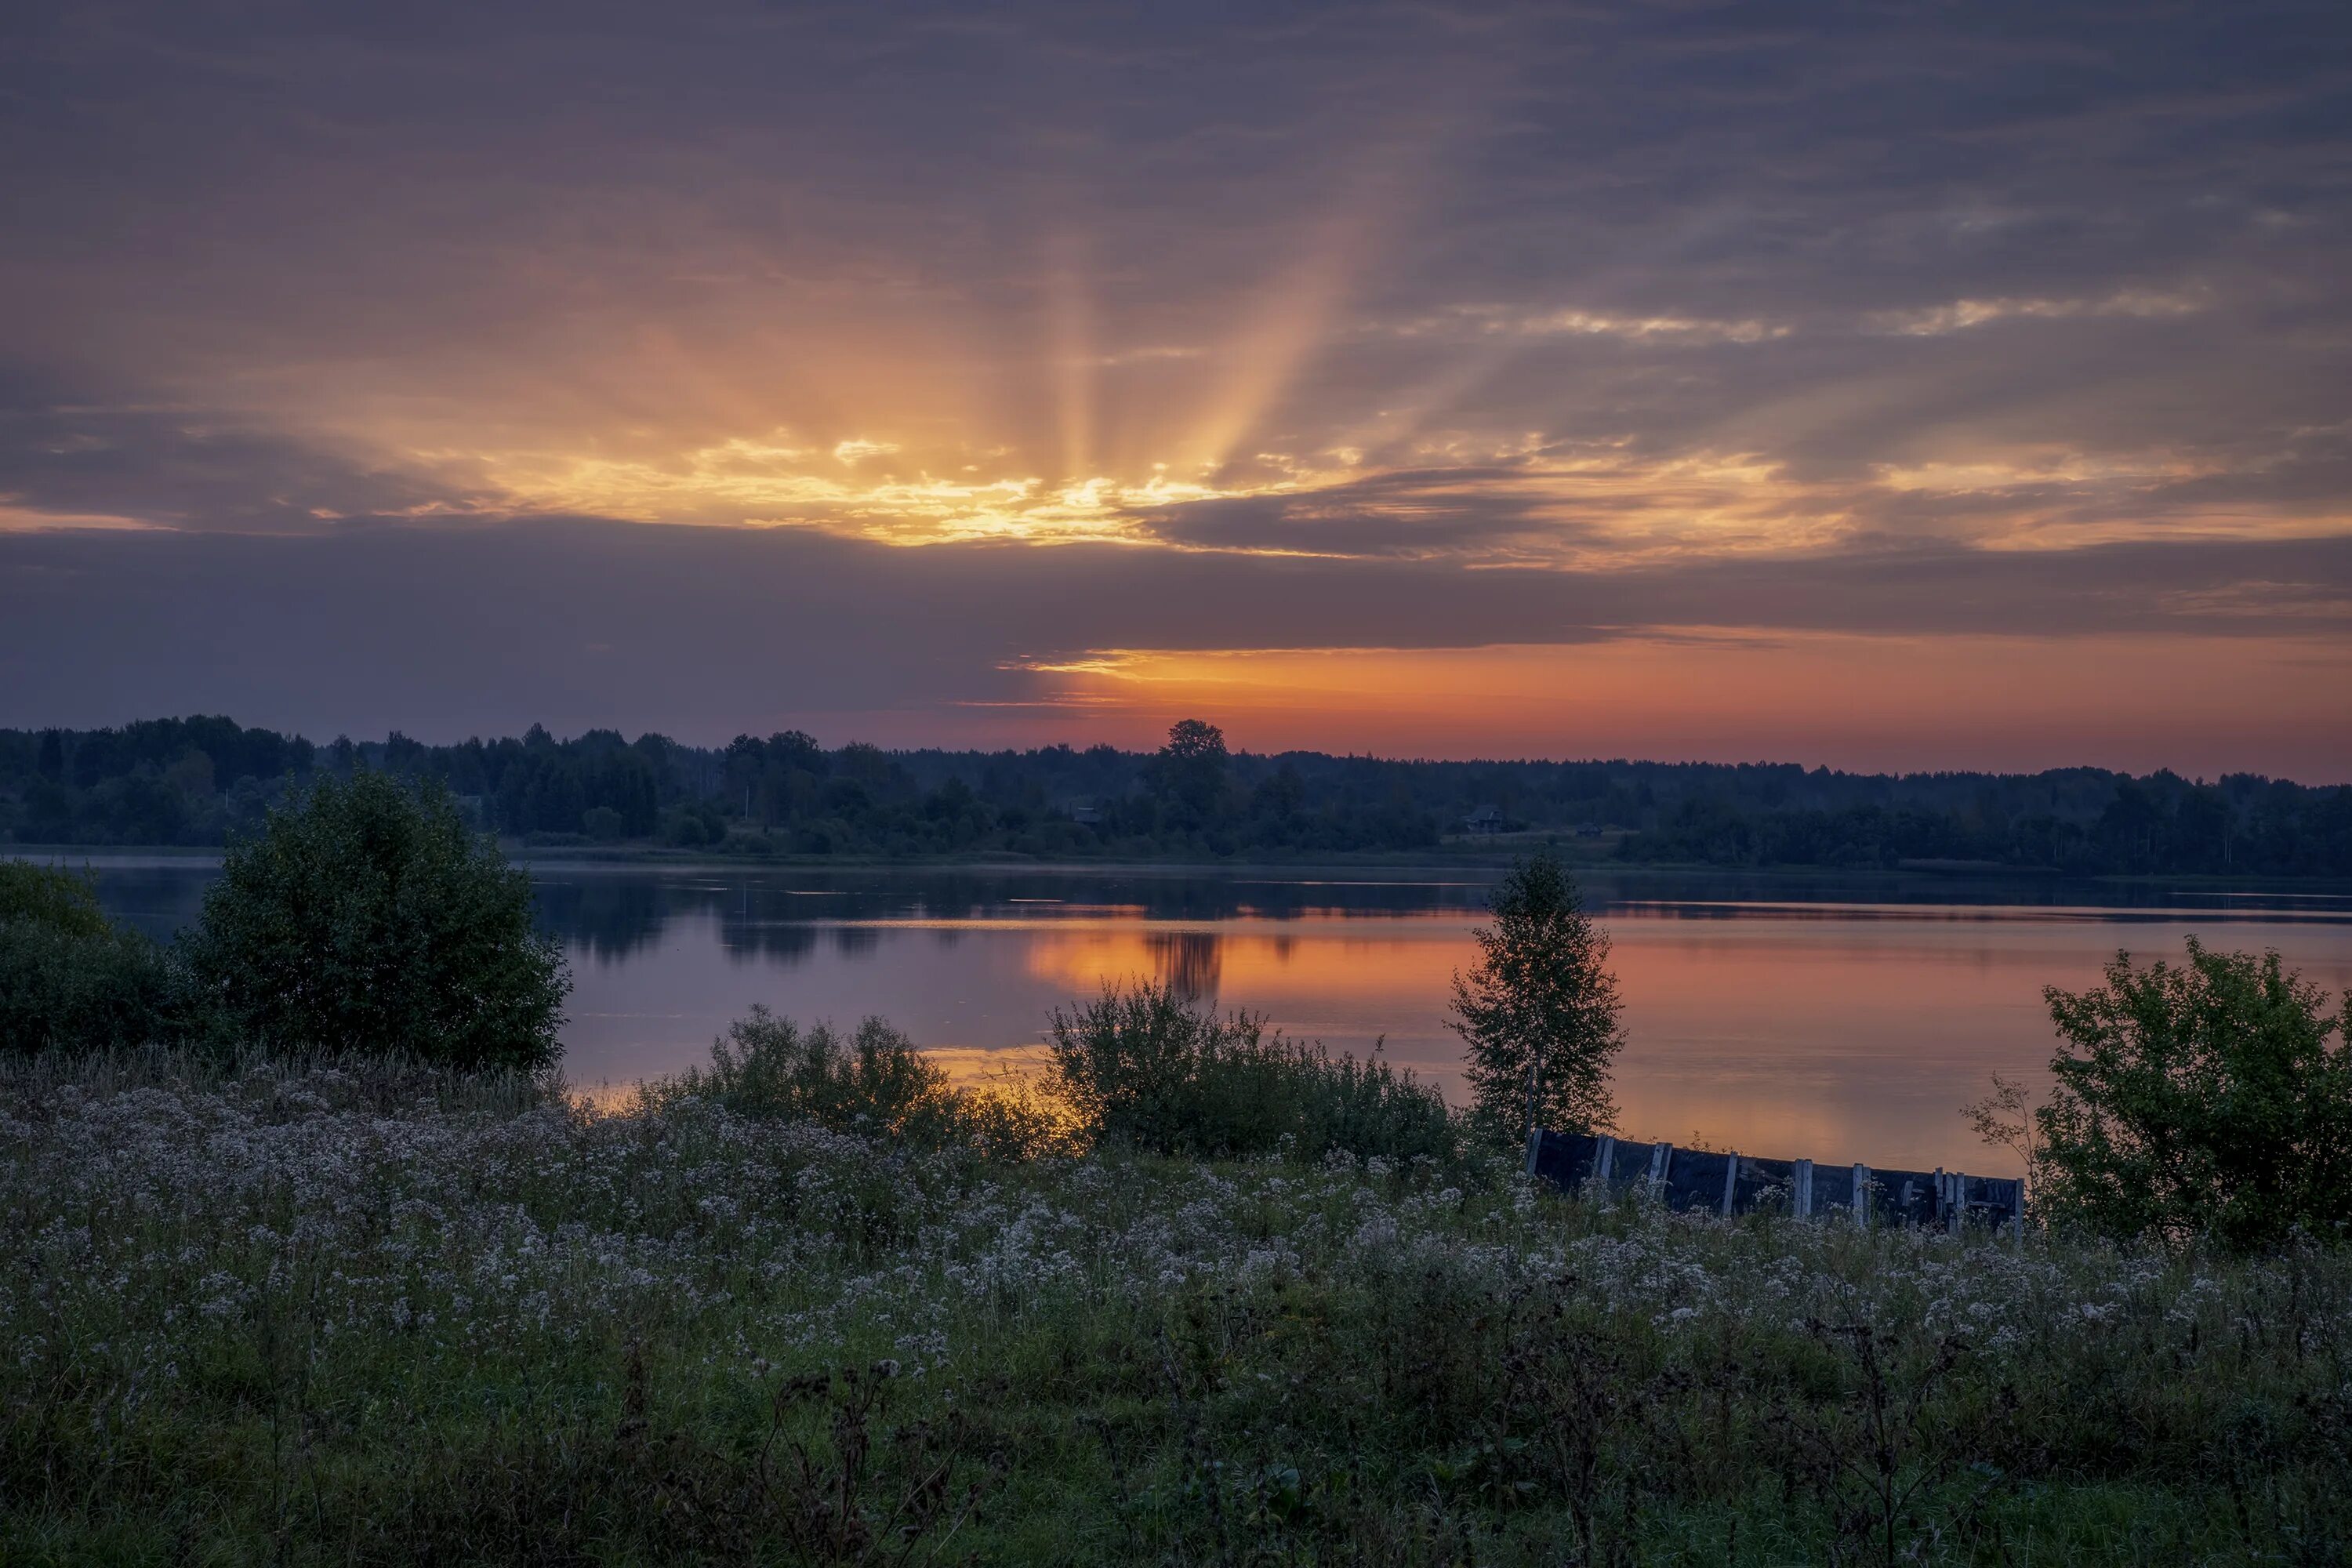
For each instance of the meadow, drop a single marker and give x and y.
(364, 1312)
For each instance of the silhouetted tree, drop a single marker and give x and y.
(1190, 770)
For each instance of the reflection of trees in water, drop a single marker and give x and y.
(952, 901)
(610, 917)
(1188, 963)
(767, 939)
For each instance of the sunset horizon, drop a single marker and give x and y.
(1017, 782)
(1937, 391)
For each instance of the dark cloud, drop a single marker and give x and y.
(579, 622)
(186, 466)
(1423, 512)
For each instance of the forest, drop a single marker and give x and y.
(198, 781)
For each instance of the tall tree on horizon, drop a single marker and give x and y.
(1190, 770)
(1540, 1011)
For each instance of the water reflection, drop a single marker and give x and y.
(1826, 1015)
(1186, 962)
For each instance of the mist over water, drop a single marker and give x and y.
(1828, 1016)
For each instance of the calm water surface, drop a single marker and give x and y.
(1839, 1020)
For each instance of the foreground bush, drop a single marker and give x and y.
(367, 918)
(1143, 1067)
(50, 897)
(2206, 1099)
(369, 1313)
(875, 1082)
(70, 979)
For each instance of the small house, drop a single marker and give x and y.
(1486, 820)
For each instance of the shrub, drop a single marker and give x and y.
(63, 992)
(70, 978)
(771, 1069)
(1142, 1067)
(52, 897)
(2213, 1097)
(366, 919)
(875, 1082)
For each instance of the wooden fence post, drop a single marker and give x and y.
(1861, 1195)
(1730, 1182)
(1801, 1189)
(1534, 1144)
(1604, 1157)
(1661, 1156)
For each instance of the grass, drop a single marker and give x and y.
(357, 1314)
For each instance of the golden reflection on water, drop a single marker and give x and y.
(1835, 1031)
(1836, 1034)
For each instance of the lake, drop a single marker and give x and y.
(1839, 1018)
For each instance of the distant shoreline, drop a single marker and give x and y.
(620, 857)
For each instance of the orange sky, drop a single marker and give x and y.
(1906, 395)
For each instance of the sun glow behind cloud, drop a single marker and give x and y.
(1408, 336)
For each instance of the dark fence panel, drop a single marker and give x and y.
(1711, 1180)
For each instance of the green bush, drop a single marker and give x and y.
(2211, 1099)
(875, 1083)
(366, 919)
(70, 978)
(1143, 1067)
(51, 896)
(63, 992)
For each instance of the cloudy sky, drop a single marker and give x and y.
(1912, 387)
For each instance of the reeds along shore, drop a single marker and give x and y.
(375, 1314)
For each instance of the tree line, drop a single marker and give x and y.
(204, 779)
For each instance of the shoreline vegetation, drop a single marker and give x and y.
(358, 1311)
(787, 798)
(1482, 857)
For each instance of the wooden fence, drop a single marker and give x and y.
(1713, 1181)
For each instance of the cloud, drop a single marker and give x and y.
(679, 604)
(70, 459)
(1503, 321)
(1407, 324)
(1962, 314)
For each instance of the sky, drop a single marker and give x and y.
(1893, 387)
